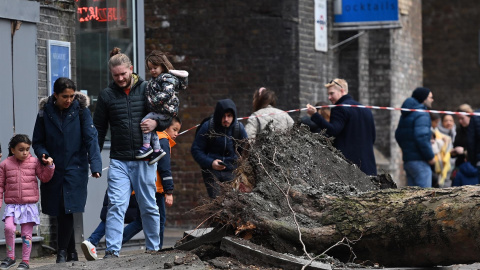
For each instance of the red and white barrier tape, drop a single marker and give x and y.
(344, 105)
(353, 106)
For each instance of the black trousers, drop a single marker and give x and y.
(65, 229)
(210, 177)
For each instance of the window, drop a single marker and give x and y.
(101, 25)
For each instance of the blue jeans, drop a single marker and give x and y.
(122, 177)
(419, 173)
(136, 226)
(97, 234)
(128, 232)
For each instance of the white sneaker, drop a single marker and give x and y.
(89, 250)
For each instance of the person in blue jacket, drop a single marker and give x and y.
(413, 134)
(352, 128)
(64, 131)
(217, 154)
(467, 174)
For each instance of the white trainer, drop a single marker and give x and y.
(89, 250)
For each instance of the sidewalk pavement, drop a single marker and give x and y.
(171, 236)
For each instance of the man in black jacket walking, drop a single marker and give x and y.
(122, 106)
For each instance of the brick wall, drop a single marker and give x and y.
(57, 22)
(451, 52)
(230, 49)
(348, 58)
(316, 68)
(407, 72)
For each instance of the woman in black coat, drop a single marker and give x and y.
(64, 130)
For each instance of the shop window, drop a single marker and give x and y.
(101, 25)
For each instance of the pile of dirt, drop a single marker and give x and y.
(287, 176)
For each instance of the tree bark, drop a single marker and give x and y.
(393, 227)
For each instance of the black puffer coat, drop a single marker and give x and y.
(123, 113)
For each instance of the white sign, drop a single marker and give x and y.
(321, 33)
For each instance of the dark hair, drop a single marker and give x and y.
(19, 138)
(445, 115)
(434, 116)
(262, 98)
(176, 119)
(118, 58)
(63, 83)
(159, 58)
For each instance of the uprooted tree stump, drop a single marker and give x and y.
(302, 188)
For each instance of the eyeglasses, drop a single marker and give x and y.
(333, 81)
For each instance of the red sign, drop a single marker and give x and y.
(98, 11)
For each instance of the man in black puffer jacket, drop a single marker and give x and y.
(122, 106)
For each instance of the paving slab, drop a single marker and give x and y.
(250, 253)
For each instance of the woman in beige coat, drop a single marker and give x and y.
(265, 112)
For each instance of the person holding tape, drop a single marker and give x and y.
(353, 128)
(413, 134)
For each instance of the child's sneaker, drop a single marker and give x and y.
(23, 265)
(7, 263)
(89, 250)
(143, 152)
(156, 156)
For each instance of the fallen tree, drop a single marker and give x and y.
(305, 198)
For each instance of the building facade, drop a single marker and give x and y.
(230, 49)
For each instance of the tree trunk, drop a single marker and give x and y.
(394, 227)
(300, 178)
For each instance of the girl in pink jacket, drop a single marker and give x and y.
(19, 189)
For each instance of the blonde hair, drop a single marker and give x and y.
(339, 84)
(118, 58)
(465, 108)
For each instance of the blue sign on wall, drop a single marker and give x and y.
(351, 12)
(58, 61)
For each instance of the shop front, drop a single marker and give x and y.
(102, 25)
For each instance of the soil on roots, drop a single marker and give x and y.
(282, 180)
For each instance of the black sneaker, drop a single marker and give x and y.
(109, 255)
(23, 265)
(156, 156)
(7, 263)
(143, 152)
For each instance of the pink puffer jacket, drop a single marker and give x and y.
(18, 179)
